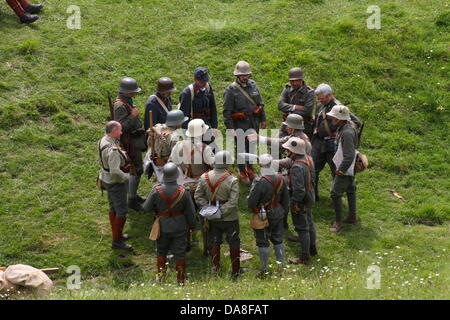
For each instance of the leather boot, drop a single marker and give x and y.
(215, 257)
(235, 256)
(243, 177)
(118, 243)
(31, 8)
(161, 268)
(305, 258)
(180, 265)
(112, 216)
(337, 227)
(351, 198)
(313, 250)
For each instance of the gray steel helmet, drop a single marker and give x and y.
(170, 172)
(295, 121)
(128, 85)
(242, 68)
(296, 74)
(265, 160)
(165, 84)
(175, 118)
(223, 159)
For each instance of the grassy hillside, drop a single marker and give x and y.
(53, 86)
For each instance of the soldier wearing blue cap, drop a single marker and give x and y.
(197, 100)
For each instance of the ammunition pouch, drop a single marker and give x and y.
(239, 116)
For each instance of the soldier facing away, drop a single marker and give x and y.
(243, 108)
(114, 178)
(219, 185)
(175, 214)
(268, 196)
(133, 137)
(324, 146)
(301, 187)
(344, 179)
(297, 97)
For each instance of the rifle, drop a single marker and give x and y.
(360, 134)
(111, 107)
(152, 137)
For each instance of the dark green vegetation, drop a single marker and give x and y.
(53, 86)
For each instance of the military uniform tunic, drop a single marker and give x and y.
(174, 229)
(228, 195)
(261, 193)
(303, 96)
(202, 106)
(132, 131)
(114, 180)
(159, 115)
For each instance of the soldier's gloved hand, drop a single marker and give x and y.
(263, 125)
(135, 112)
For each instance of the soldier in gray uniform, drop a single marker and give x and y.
(226, 189)
(133, 137)
(243, 108)
(297, 97)
(114, 179)
(175, 210)
(323, 140)
(301, 187)
(269, 195)
(344, 179)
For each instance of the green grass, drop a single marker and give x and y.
(53, 108)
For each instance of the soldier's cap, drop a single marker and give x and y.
(295, 145)
(340, 112)
(201, 74)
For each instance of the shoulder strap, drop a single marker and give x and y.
(160, 102)
(276, 186)
(191, 88)
(215, 188)
(325, 123)
(173, 200)
(235, 84)
(308, 163)
(127, 106)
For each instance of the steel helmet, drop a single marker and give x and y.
(242, 68)
(170, 172)
(295, 145)
(175, 118)
(165, 84)
(296, 74)
(223, 159)
(340, 112)
(196, 128)
(128, 85)
(295, 121)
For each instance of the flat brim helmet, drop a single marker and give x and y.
(296, 74)
(294, 121)
(242, 68)
(223, 159)
(295, 145)
(196, 128)
(340, 112)
(170, 172)
(165, 84)
(128, 85)
(175, 118)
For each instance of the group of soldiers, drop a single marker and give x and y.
(197, 186)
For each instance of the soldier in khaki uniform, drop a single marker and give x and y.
(297, 97)
(269, 196)
(162, 138)
(344, 179)
(226, 189)
(133, 137)
(301, 187)
(243, 108)
(175, 214)
(114, 178)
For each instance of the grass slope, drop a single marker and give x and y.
(53, 86)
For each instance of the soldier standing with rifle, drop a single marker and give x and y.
(268, 196)
(133, 138)
(297, 97)
(159, 103)
(220, 185)
(324, 146)
(243, 108)
(114, 178)
(301, 187)
(174, 218)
